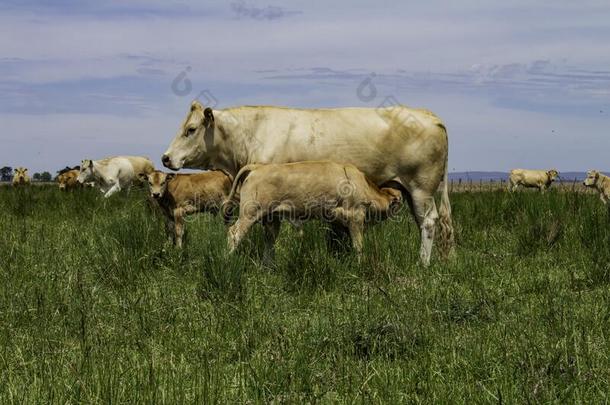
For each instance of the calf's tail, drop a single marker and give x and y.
(229, 204)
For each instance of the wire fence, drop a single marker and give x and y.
(469, 185)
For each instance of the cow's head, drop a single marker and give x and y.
(20, 174)
(592, 177)
(157, 182)
(61, 179)
(552, 174)
(86, 172)
(193, 140)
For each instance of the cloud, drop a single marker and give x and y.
(499, 73)
(242, 10)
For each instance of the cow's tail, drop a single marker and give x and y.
(229, 203)
(447, 238)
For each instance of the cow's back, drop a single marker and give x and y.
(140, 164)
(380, 142)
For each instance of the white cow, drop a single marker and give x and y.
(599, 182)
(540, 179)
(408, 146)
(114, 173)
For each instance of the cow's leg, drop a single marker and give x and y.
(170, 229)
(114, 188)
(426, 216)
(271, 227)
(336, 237)
(356, 227)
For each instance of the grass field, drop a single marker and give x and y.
(95, 307)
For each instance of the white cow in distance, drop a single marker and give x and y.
(394, 144)
(540, 179)
(113, 174)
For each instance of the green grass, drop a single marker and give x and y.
(95, 307)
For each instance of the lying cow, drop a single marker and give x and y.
(67, 179)
(307, 190)
(179, 195)
(539, 179)
(21, 177)
(114, 173)
(600, 182)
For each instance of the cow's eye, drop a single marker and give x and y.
(190, 131)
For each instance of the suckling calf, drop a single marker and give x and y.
(307, 190)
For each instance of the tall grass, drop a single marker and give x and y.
(97, 307)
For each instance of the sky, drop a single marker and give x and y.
(518, 84)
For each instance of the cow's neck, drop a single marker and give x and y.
(231, 154)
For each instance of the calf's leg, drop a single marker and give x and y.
(272, 230)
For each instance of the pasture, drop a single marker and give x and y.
(96, 307)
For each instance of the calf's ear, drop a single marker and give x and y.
(143, 177)
(170, 176)
(208, 117)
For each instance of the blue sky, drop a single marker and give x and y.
(518, 85)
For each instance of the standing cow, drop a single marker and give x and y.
(21, 177)
(114, 173)
(539, 179)
(599, 182)
(408, 146)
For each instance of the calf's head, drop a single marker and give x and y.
(592, 177)
(157, 182)
(61, 179)
(193, 141)
(387, 206)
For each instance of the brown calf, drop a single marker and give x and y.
(179, 195)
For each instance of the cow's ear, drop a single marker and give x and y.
(196, 105)
(170, 176)
(596, 175)
(208, 117)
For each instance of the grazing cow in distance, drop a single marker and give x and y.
(539, 179)
(599, 182)
(307, 190)
(21, 177)
(113, 174)
(179, 195)
(394, 143)
(67, 179)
